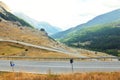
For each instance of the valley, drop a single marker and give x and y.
(32, 49)
(12, 29)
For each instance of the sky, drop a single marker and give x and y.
(63, 13)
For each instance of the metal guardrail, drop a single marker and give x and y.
(57, 59)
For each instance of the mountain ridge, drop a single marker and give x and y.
(100, 34)
(8, 16)
(95, 21)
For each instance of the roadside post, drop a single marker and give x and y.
(12, 65)
(71, 61)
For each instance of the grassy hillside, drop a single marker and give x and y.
(9, 30)
(105, 38)
(13, 49)
(101, 33)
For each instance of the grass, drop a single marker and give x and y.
(13, 49)
(75, 76)
(6, 49)
(11, 31)
(93, 53)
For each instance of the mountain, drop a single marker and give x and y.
(14, 31)
(48, 27)
(101, 19)
(105, 18)
(102, 33)
(8, 16)
(14, 28)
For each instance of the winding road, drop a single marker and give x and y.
(41, 47)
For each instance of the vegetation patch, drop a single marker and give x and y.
(75, 76)
(13, 49)
(103, 38)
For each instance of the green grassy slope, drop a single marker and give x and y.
(105, 38)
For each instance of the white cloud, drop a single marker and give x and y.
(63, 13)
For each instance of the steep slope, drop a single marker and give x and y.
(101, 19)
(13, 49)
(14, 28)
(48, 27)
(9, 30)
(5, 15)
(101, 34)
(104, 38)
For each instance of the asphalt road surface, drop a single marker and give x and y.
(59, 66)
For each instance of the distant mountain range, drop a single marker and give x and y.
(48, 27)
(102, 33)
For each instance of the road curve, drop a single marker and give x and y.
(41, 47)
(59, 66)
